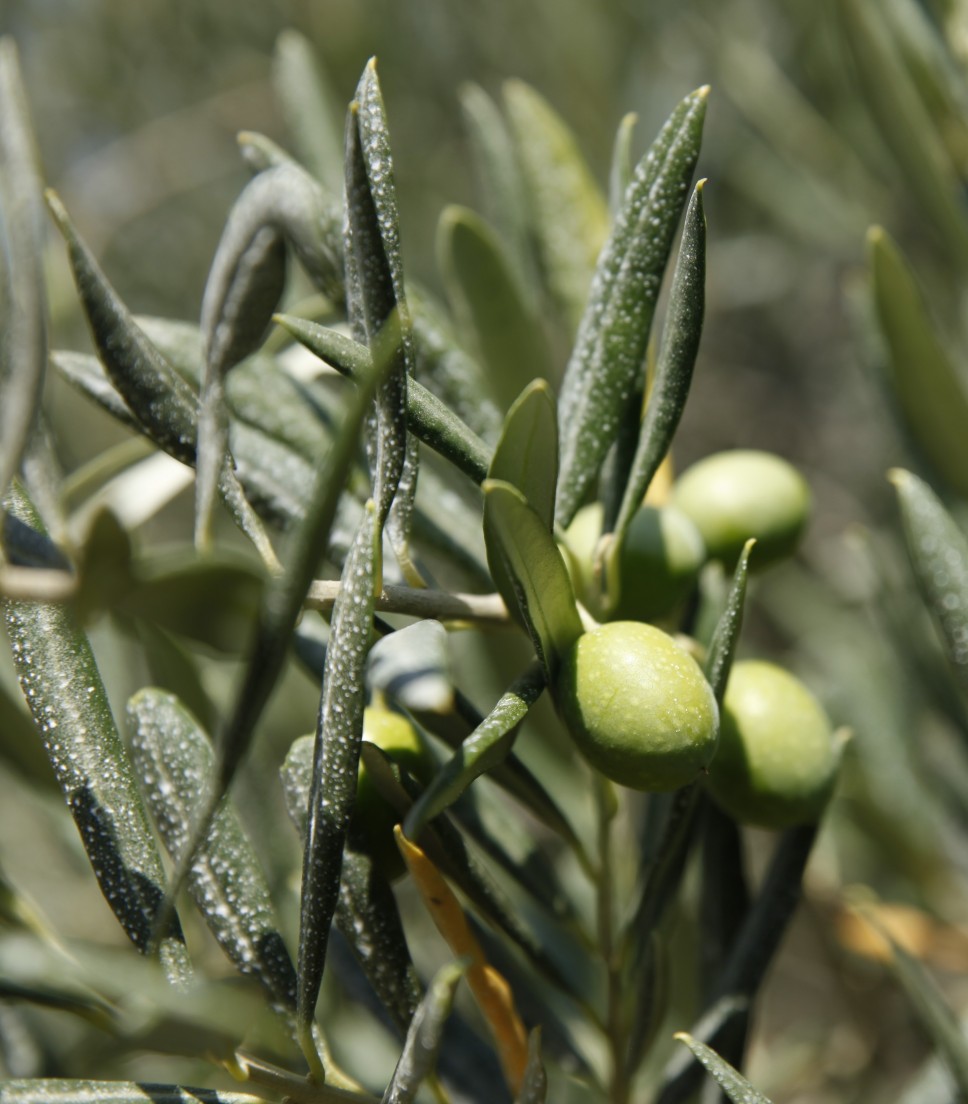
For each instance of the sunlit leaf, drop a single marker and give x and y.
(526, 455)
(412, 666)
(614, 332)
(732, 1082)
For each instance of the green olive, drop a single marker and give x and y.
(638, 706)
(777, 759)
(732, 496)
(659, 562)
(395, 735)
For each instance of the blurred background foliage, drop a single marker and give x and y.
(825, 118)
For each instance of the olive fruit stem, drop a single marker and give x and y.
(420, 602)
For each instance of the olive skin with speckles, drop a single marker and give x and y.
(777, 759)
(732, 496)
(638, 706)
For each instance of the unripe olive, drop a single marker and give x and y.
(376, 818)
(732, 496)
(777, 758)
(638, 706)
(660, 559)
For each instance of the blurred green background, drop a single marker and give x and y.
(137, 107)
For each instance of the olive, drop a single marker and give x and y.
(638, 706)
(732, 496)
(777, 759)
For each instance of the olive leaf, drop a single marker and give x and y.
(534, 1083)
(929, 387)
(526, 455)
(939, 556)
(161, 402)
(335, 762)
(427, 416)
(65, 1091)
(722, 647)
(568, 215)
(614, 332)
(366, 912)
(412, 666)
(620, 176)
(674, 367)
(727, 1009)
(486, 747)
(425, 1036)
(173, 759)
(490, 304)
(731, 1081)
(377, 307)
(66, 697)
(309, 108)
(500, 184)
(23, 304)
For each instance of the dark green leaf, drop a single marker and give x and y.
(67, 700)
(336, 759)
(121, 1092)
(526, 455)
(367, 912)
(428, 417)
(173, 759)
(534, 1086)
(677, 358)
(519, 542)
(23, 304)
(930, 388)
(80, 1004)
(732, 1082)
(412, 666)
(419, 1057)
(939, 555)
(722, 647)
(614, 333)
(490, 304)
(486, 747)
(567, 211)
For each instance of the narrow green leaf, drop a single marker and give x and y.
(759, 937)
(567, 209)
(423, 1042)
(367, 912)
(336, 760)
(309, 108)
(23, 304)
(173, 759)
(930, 388)
(614, 331)
(540, 590)
(939, 556)
(412, 666)
(51, 1091)
(162, 403)
(490, 304)
(499, 181)
(486, 747)
(66, 698)
(674, 367)
(427, 416)
(722, 647)
(83, 1005)
(730, 1080)
(725, 895)
(620, 176)
(526, 455)
(376, 297)
(534, 1084)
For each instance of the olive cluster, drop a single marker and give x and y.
(637, 703)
